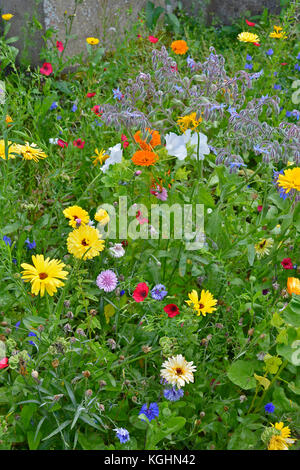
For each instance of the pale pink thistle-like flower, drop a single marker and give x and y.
(160, 193)
(107, 280)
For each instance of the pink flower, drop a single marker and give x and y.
(152, 39)
(259, 208)
(62, 143)
(287, 263)
(160, 193)
(4, 363)
(46, 69)
(107, 280)
(142, 220)
(59, 46)
(79, 143)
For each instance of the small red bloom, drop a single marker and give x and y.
(152, 39)
(287, 263)
(283, 63)
(79, 143)
(124, 243)
(46, 69)
(139, 35)
(4, 363)
(256, 44)
(249, 23)
(62, 143)
(125, 144)
(174, 69)
(96, 110)
(259, 208)
(59, 46)
(90, 95)
(104, 69)
(140, 292)
(172, 310)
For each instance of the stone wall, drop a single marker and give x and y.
(105, 19)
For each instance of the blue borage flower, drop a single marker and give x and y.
(30, 245)
(159, 292)
(277, 87)
(190, 62)
(179, 88)
(256, 75)
(269, 408)
(117, 94)
(259, 149)
(232, 111)
(173, 394)
(151, 413)
(7, 240)
(122, 435)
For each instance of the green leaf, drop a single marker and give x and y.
(291, 314)
(57, 430)
(251, 254)
(241, 373)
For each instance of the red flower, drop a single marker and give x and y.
(4, 363)
(90, 95)
(249, 23)
(174, 69)
(59, 46)
(172, 310)
(256, 44)
(152, 39)
(125, 144)
(287, 263)
(283, 63)
(96, 110)
(62, 143)
(140, 292)
(79, 143)
(46, 69)
(259, 208)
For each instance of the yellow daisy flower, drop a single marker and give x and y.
(77, 216)
(262, 247)
(45, 274)
(102, 217)
(188, 122)
(12, 148)
(290, 179)
(7, 16)
(177, 371)
(281, 440)
(31, 152)
(100, 157)
(92, 41)
(85, 242)
(278, 33)
(206, 303)
(248, 37)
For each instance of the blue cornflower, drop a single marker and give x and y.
(122, 435)
(159, 292)
(30, 245)
(58, 118)
(270, 52)
(152, 412)
(190, 62)
(288, 113)
(31, 342)
(17, 324)
(269, 408)
(277, 87)
(249, 58)
(257, 74)
(122, 293)
(249, 66)
(53, 105)
(74, 108)
(14, 260)
(298, 56)
(7, 240)
(297, 67)
(117, 94)
(173, 394)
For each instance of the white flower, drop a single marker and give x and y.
(115, 156)
(117, 250)
(192, 139)
(53, 141)
(175, 145)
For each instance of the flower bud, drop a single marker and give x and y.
(88, 393)
(55, 363)
(86, 373)
(34, 374)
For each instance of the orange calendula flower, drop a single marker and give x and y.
(293, 285)
(144, 158)
(148, 144)
(179, 47)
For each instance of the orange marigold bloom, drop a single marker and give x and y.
(144, 158)
(145, 144)
(179, 47)
(293, 285)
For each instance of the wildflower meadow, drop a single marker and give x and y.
(149, 237)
